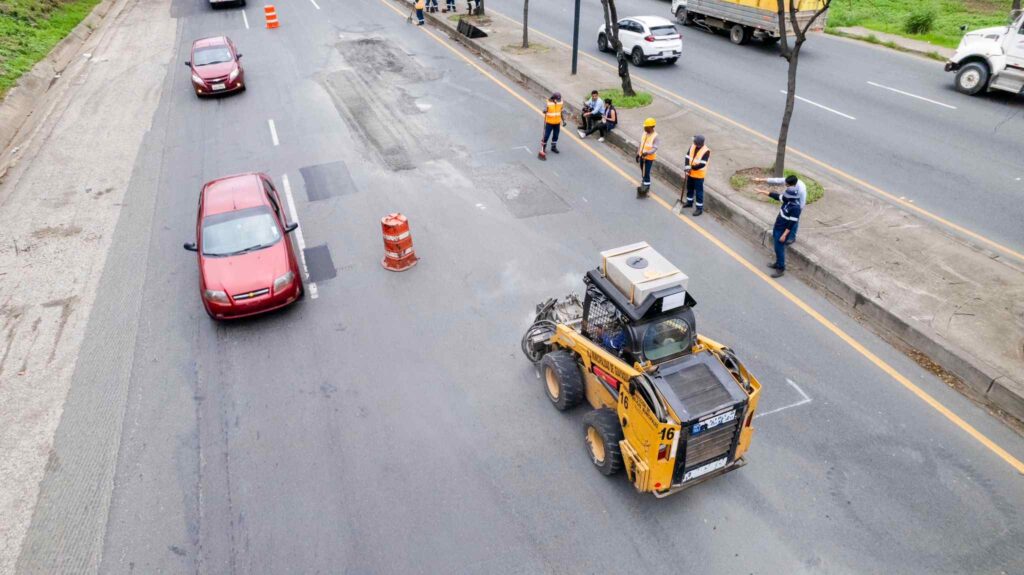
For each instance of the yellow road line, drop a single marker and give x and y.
(896, 199)
(856, 345)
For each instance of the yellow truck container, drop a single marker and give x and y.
(746, 19)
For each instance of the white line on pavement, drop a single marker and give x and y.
(836, 112)
(273, 132)
(245, 19)
(311, 286)
(315, 5)
(806, 399)
(912, 95)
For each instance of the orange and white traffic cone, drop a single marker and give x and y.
(398, 253)
(271, 14)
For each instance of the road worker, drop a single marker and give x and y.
(696, 169)
(450, 7)
(420, 5)
(646, 153)
(554, 119)
(785, 225)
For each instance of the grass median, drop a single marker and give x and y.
(29, 29)
(935, 21)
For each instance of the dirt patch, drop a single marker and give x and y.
(743, 181)
(518, 50)
(56, 232)
(986, 6)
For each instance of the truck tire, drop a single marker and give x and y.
(601, 435)
(637, 56)
(739, 34)
(972, 78)
(681, 15)
(563, 381)
(602, 43)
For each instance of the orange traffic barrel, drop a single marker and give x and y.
(271, 13)
(398, 253)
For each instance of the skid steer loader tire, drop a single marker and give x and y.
(602, 434)
(563, 381)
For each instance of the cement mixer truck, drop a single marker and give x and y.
(990, 59)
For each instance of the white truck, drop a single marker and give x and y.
(746, 19)
(991, 59)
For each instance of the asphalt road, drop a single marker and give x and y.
(963, 164)
(391, 425)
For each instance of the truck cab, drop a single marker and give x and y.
(990, 59)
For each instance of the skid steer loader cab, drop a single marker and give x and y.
(670, 406)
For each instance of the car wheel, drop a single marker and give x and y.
(671, 61)
(739, 34)
(972, 78)
(638, 57)
(563, 380)
(602, 433)
(682, 16)
(602, 43)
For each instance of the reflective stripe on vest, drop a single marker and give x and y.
(553, 115)
(694, 157)
(647, 145)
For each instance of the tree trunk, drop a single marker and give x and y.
(526, 25)
(611, 22)
(1016, 5)
(787, 115)
(792, 56)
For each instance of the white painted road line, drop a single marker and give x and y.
(273, 132)
(836, 112)
(245, 19)
(311, 286)
(806, 399)
(912, 95)
(315, 5)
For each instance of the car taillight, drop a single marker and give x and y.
(649, 38)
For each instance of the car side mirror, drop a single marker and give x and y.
(190, 246)
(238, 56)
(188, 63)
(291, 227)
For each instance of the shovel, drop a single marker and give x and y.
(678, 208)
(411, 13)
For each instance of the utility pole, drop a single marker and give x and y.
(575, 36)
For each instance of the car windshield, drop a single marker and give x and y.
(664, 31)
(211, 55)
(666, 338)
(234, 233)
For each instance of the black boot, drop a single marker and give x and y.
(779, 273)
(554, 149)
(688, 204)
(698, 211)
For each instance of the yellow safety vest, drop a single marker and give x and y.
(647, 146)
(553, 115)
(421, 4)
(695, 156)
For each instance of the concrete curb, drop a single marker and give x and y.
(985, 383)
(23, 100)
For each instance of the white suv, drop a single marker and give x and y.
(645, 39)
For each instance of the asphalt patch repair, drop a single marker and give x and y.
(320, 264)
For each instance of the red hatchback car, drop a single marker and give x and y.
(215, 67)
(247, 264)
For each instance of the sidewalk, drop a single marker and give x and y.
(897, 42)
(961, 306)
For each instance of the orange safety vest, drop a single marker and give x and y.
(647, 145)
(553, 115)
(421, 4)
(695, 155)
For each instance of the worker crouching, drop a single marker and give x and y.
(646, 153)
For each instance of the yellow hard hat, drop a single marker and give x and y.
(649, 123)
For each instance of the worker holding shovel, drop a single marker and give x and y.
(646, 153)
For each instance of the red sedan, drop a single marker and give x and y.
(215, 67)
(247, 264)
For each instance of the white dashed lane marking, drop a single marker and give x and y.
(929, 100)
(823, 107)
(273, 132)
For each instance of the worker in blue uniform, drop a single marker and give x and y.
(785, 225)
